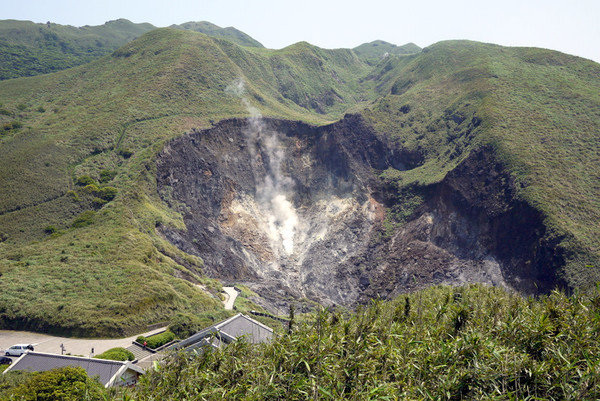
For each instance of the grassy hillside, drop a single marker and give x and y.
(78, 248)
(28, 49)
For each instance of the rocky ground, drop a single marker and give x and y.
(296, 211)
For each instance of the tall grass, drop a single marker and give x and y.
(471, 342)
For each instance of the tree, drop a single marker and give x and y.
(66, 384)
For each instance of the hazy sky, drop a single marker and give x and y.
(569, 26)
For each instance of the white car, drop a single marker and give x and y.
(18, 349)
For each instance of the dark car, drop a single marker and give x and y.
(5, 361)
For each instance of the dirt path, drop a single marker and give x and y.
(72, 346)
(232, 295)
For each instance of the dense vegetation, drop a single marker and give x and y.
(79, 252)
(66, 384)
(116, 354)
(470, 342)
(444, 343)
(156, 340)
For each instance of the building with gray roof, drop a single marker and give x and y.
(109, 373)
(227, 331)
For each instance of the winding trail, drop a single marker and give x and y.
(231, 296)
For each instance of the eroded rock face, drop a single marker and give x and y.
(297, 211)
(472, 228)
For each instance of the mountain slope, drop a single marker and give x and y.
(90, 245)
(28, 49)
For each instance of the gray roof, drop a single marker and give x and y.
(107, 371)
(230, 330)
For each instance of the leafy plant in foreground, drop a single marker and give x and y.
(66, 384)
(470, 342)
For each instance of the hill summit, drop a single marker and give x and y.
(375, 51)
(28, 48)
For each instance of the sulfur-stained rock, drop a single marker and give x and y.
(295, 211)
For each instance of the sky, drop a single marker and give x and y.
(572, 27)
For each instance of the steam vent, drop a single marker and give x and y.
(296, 211)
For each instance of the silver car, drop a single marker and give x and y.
(18, 349)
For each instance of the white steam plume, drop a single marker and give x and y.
(273, 187)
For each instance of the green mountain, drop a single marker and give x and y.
(229, 33)
(477, 138)
(375, 51)
(28, 49)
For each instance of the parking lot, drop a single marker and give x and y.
(70, 346)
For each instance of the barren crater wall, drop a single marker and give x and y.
(295, 211)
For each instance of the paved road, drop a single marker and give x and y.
(73, 346)
(232, 295)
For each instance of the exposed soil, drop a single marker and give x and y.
(297, 211)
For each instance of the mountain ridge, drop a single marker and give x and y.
(29, 48)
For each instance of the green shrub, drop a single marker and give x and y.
(12, 125)
(126, 153)
(73, 195)
(84, 219)
(107, 175)
(108, 193)
(85, 180)
(21, 107)
(98, 202)
(443, 343)
(117, 354)
(92, 189)
(157, 340)
(50, 229)
(65, 384)
(41, 109)
(12, 379)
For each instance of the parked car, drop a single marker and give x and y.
(18, 349)
(5, 361)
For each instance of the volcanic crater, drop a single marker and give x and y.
(296, 211)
